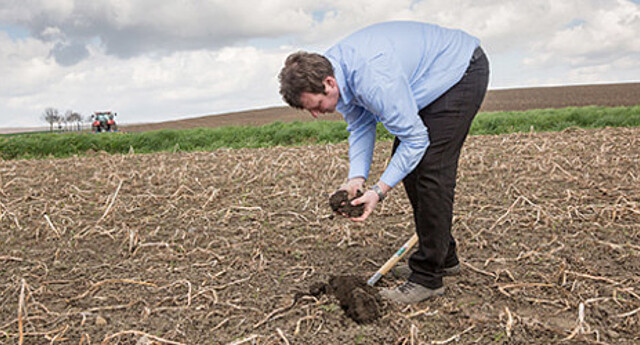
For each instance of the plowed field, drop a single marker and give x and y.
(608, 95)
(220, 247)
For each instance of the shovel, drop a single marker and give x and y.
(393, 260)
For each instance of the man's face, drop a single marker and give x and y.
(318, 103)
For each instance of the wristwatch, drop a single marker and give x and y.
(378, 191)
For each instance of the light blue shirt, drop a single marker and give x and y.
(386, 73)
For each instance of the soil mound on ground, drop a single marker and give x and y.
(360, 302)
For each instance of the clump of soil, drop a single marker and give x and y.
(360, 302)
(340, 203)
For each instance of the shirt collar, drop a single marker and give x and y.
(345, 92)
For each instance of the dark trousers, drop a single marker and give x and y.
(430, 186)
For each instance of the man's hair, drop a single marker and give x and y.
(303, 72)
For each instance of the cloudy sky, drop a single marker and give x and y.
(156, 60)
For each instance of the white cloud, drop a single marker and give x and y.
(131, 28)
(140, 89)
(603, 46)
(607, 32)
(23, 65)
(153, 61)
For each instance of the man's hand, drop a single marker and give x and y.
(370, 199)
(352, 186)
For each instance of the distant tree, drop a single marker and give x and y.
(75, 118)
(51, 116)
(72, 120)
(67, 119)
(59, 121)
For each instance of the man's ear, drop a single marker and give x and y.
(329, 83)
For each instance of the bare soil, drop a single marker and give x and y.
(625, 94)
(359, 301)
(224, 247)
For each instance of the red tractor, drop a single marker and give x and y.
(104, 121)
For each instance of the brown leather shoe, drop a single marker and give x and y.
(403, 271)
(411, 293)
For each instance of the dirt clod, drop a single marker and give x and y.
(360, 302)
(340, 202)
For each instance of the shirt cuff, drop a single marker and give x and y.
(391, 177)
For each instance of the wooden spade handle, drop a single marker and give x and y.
(393, 260)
